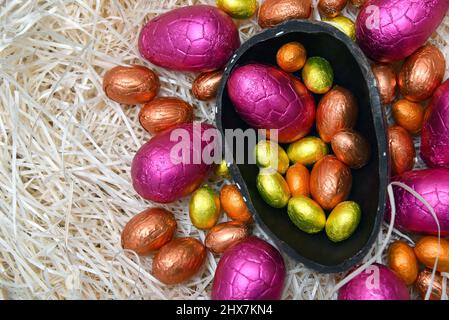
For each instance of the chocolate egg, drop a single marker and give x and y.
(222, 170)
(330, 182)
(131, 85)
(226, 234)
(426, 250)
(422, 73)
(178, 260)
(402, 150)
(148, 231)
(344, 24)
(281, 103)
(233, 204)
(298, 180)
(205, 86)
(337, 110)
(291, 57)
(318, 75)
(164, 113)
(192, 38)
(402, 260)
(331, 8)
(270, 155)
(273, 12)
(351, 148)
(307, 151)
(273, 189)
(377, 282)
(409, 115)
(204, 208)
(390, 30)
(423, 282)
(238, 9)
(357, 3)
(306, 214)
(386, 82)
(343, 221)
(160, 177)
(250, 270)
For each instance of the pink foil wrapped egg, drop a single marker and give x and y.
(251, 269)
(159, 177)
(435, 132)
(377, 282)
(411, 214)
(193, 38)
(390, 30)
(268, 98)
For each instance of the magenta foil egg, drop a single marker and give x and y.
(192, 38)
(391, 30)
(435, 131)
(163, 178)
(268, 98)
(377, 282)
(249, 270)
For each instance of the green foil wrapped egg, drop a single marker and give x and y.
(265, 158)
(306, 214)
(307, 151)
(238, 9)
(318, 75)
(222, 170)
(204, 208)
(343, 221)
(273, 188)
(344, 24)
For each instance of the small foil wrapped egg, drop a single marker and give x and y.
(206, 85)
(307, 151)
(344, 24)
(273, 189)
(402, 260)
(409, 115)
(238, 9)
(386, 82)
(343, 221)
(426, 250)
(148, 231)
(178, 260)
(251, 269)
(233, 204)
(402, 150)
(204, 208)
(291, 57)
(273, 12)
(351, 148)
(423, 282)
(226, 234)
(131, 85)
(306, 214)
(357, 3)
(222, 170)
(267, 157)
(298, 180)
(331, 8)
(318, 75)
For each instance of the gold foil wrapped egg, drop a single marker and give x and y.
(422, 73)
(148, 231)
(238, 9)
(351, 148)
(204, 208)
(222, 170)
(224, 235)
(331, 8)
(330, 182)
(318, 75)
(426, 250)
(206, 85)
(131, 85)
(233, 204)
(357, 3)
(306, 214)
(273, 189)
(386, 82)
(344, 24)
(423, 282)
(178, 260)
(267, 157)
(336, 111)
(298, 180)
(402, 150)
(273, 12)
(409, 115)
(402, 260)
(307, 150)
(343, 221)
(291, 57)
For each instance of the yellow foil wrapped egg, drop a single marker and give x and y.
(318, 75)
(306, 214)
(343, 221)
(291, 57)
(222, 170)
(238, 9)
(204, 208)
(267, 157)
(307, 151)
(273, 189)
(344, 24)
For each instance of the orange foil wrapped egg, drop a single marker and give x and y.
(233, 204)
(426, 250)
(331, 8)
(402, 260)
(224, 235)
(409, 115)
(386, 82)
(206, 85)
(291, 57)
(298, 180)
(423, 282)
(131, 85)
(351, 148)
(402, 150)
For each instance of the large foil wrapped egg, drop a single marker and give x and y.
(271, 155)
(307, 151)
(249, 270)
(273, 189)
(298, 180)
(306, 214)
(273, 12)
(281, 103)
(402, 260)
(409, 115)
(204, 208)
(233, 204)
(238, 9)
(402, 150)
(427, 250)
(425, 280)
(193, 38)
(318, 75)
(291, 57)
(206, 85)
(343, 221)
(386, 82)
(351, 148)
(331, 8)
(226, 234)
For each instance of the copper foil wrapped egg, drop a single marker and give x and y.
(307, 151)
(291, 57)
(306, 214)
(131, 85)
(351, 148)
(386, 82)
(233, 204)
(178, 260)
(204, 208)
(164, 113)
(267, 157)
(343, 221)
(422, 73)
(330, 182)
(409, 115)
(148, 231)
(298, 180)
(238, 9)
(344, 24)
(206, 85)
(426, 250)
(273, 189)
(331, 8)
(357, 3)
(318, 75)
(224, 235)
(423, 283)
(402, 260)
(337, 110)
(273, 12)
(402, 150)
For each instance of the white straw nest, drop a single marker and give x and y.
(66, 151)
